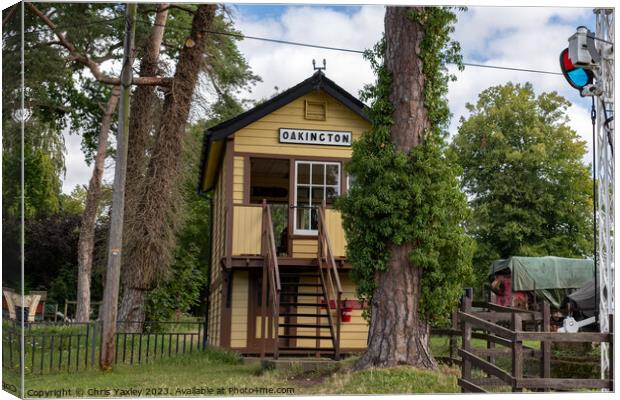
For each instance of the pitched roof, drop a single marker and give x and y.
(318, 81)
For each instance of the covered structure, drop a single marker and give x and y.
(551, 278)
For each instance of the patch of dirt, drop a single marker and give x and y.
(310, 378)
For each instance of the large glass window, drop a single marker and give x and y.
(315, 182)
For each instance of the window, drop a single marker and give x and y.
(314, 182)
(316, 110)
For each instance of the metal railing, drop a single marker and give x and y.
(49, 347)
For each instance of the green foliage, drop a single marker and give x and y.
(181, 290)
(524, 176)
(409, 198)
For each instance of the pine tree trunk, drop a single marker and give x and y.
(86, 241)
(157, 214)
(141, 126)
(398, 334)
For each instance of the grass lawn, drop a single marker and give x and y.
(220, 373)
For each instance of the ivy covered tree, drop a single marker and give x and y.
(404, 215)
(523, 171)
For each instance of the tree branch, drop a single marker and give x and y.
(10, 14)
(75, 55)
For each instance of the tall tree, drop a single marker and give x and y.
(523, 171)
(86, 243)
(158, 207)
(156, 216)
(403, 215)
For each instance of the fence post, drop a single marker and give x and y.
(545, 345)
(517, 353)
(454, 324)
(93, 345)
(465, 344)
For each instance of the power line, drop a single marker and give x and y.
(315, 46)
(241, 36)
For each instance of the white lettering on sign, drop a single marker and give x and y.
(307, 136)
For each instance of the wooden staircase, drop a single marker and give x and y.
(305, 302)
(306, 316)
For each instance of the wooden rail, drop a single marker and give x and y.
(329, 278)
(484, 359)
(271, 282)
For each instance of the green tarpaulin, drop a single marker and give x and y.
(551, 277)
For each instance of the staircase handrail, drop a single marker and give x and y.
(273, 272)
(324, 250)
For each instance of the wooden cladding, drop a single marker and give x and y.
(333, 225)
(316, 110)
(246, 235)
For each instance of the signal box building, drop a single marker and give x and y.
(279, 279)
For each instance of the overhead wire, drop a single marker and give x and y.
(301, 44)
(322, 47)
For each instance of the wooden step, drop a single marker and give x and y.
(303, 315)
(321, 305)
(299, 275)
(300, 284)
(305, 349)
(301, 294)
(304, 337)
(294, 325)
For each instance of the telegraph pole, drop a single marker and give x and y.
(110, 294)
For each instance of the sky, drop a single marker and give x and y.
(521, 37)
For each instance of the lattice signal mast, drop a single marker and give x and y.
(588, 65)
(605, 170)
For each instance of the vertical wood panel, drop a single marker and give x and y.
(333, 225)
(239, 306)
(247, 223)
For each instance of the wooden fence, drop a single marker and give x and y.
(503, 341)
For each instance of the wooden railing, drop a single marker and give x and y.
(330, 279)
(512, 338)
(271, 287)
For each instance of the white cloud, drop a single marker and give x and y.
(521, 37)
(285, 65)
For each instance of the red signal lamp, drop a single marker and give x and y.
(577, 77)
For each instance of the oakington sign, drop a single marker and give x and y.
(307, 136)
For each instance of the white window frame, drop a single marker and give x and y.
(311, 232)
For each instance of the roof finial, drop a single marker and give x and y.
(324, 67)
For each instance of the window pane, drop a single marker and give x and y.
(317, 196)
(333, 175)
(303, 173)
(318, 174)
(314, 224)
(302, 218)
(331, 194)
(303, 202)
(303, 195)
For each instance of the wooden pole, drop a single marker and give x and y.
(517, 353)
(465, 342)
(110, 294)
(545, 345)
